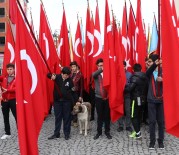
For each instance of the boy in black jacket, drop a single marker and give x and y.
(138, 90)
(63, 100)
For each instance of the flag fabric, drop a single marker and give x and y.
(12, 10)
(170, 48)
(78, 48)
(29, 94)
(9, 53)
(154, 37)
(97, 40)
(131, 36)
(88, 48)
(63, 45)
(48, 49)
(140, 43)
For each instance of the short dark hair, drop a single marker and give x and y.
(137, 67)
(66, 70)
(74, 63)
(153, 57)
(99, 60)
(10, 65)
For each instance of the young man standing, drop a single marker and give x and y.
(8, 98)
(137, 87)
(62, 102)
(155, 101)
(101, 101)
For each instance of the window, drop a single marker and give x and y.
(2, 41)
(2, 27)
(2, 1)
(2, 12)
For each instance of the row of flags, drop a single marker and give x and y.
(34, 59)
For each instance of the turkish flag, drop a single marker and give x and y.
(63, 46)
(140, 43)
(170, 55)
(97, 40)
(49, 51)
(88, 48)
(29, 89)
(131, 35)
(12, 10)
(78, 48)
(9, 55)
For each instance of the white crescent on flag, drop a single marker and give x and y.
(91, 38)
(11, 49)
(76, 47)
(98, 37)
(46, 46)
(32, 69)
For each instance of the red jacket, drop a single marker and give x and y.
(10, 93)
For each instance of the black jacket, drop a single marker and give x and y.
(62, 88)
(137, 86)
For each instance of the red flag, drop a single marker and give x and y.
(88, 48)
(97, 40)
(170, 56)
(47, 46)
(12, 10)
(131, 35)
(140, 44)
(107, 45)
(63, 47)
(124, 34)
(30, 93)
(9, 55)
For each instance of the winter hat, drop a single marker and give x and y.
(153, 57)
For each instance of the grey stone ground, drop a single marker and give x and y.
(80, 145)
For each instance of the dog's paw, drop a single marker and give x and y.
(85, 134)
(81, 132)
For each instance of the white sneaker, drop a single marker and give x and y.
(5, 136)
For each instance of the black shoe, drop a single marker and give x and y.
(53, 137)
(97, 136)
(151, 146)
(161, 145)
(67, 137)
(108, 136)
(120, 129)
(129, 129)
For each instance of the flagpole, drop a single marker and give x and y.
(33, 36)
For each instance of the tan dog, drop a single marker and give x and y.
(83, 111)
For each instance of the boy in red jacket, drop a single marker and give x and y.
(8, 98)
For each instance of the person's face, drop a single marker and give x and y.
(74, 68)
(100, 65)
(65, 76)
(10, 71)
(149, 62)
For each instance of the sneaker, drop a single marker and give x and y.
(53, 137)
(5, 137)
(133, 134)
(161, 146)
(151, 146)
(138, 135)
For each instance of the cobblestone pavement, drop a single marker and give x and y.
(120, 144)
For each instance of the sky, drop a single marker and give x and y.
(54, 10)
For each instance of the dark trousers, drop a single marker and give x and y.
(103, 113)
(156, 114)
(62, 111)
(6, 106)
(126, 119)
(136, 115)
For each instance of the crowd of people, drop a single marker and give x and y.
(143, 100)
